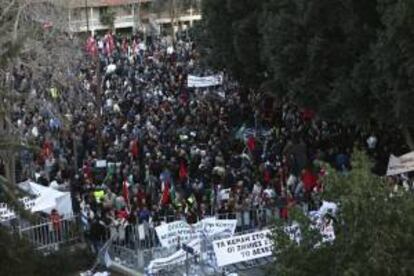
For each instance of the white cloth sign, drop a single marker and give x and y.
(6, 214)
(47, 198)
(174, 259)
(170, 234)
(194, 81)
(243, 248)
(111, 68)
(402, 164)
(325, 225)
(224, 194)
(101, 163)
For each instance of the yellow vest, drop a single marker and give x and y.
(99, 195)
(54, 92)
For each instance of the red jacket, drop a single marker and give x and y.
(310, 180)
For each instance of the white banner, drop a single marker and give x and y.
(6, 214)
(194, 81)
(402, 164)
(171, 234)
(243, 248)
(174, 259)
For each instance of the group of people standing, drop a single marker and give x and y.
(143, 146)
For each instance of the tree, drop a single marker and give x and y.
(326, 55)
(37, 50)
(392, 59)
(18, 257)
(374, 230)
(36, 47)
(137, 10)
(174, 9)
(233, 39)
(107, 17)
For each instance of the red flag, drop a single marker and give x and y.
(133, 145)
(47, 148)
(91, 46)
(110, 43)
(251, 143)
(310, 180)
(183, 172)
(307, 114)
(165, 198)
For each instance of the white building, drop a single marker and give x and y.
(130, 15)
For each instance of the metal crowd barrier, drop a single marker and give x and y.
(138, 260)
(143, 236)
(47, 235)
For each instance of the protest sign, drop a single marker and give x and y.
(243, 248)
(174, 259)
(402, 164)
(100, 163)
(224, 194)
(194, 81)
(111, 68)
(171, 234)
(8, 214)
(212, 226)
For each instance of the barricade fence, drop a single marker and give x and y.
(143, 236)
(204, 264)
(48, 235)
(44, 234)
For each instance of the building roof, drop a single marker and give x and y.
(103, 3)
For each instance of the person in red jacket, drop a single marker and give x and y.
(55, 225)
(309, 179)
(134, 148)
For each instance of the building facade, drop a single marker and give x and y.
(148, 16)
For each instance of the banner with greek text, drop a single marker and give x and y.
(243, 248)
(402, 164)
(194, 81)
(171, 234)
(174, 259)
(7, 214)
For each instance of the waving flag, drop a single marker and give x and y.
(183, 172)
(165, 198)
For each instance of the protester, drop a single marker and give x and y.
(172, 152)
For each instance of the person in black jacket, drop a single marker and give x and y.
(97, 234)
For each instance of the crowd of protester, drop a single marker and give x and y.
(150, 148)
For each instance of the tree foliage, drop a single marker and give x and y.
(21, 259)
(349, 60)
(34, 45)
(107, 17)
(233, 38)
(374, 230)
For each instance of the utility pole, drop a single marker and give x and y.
(87, 16)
